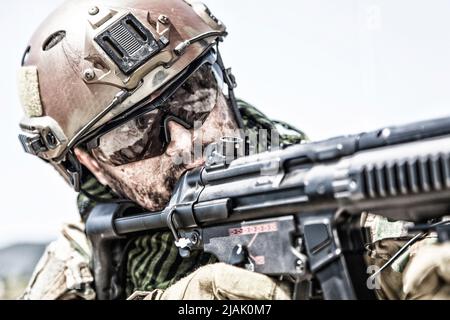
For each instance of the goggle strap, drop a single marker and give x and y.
(230, 80)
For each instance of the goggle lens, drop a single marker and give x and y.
(146, 136)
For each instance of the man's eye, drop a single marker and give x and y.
(187, 87)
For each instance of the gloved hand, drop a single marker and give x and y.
(427, 275)
(223, 282)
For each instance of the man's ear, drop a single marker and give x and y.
(92, 165)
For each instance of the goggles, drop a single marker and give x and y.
(143, 132)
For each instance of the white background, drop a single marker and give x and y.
(329, 67)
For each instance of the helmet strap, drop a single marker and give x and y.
(71, 169)
(74, 170)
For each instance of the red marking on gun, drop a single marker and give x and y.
(259, 260)
(256, 229)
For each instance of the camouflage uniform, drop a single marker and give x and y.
(63, 272)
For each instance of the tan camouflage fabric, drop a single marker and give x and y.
(425, 275)
(421, 272)
(221, 282)
(381, 228)
(63, 272)
(389, 284)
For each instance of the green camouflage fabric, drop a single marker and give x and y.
(153, 260)
(256, 120)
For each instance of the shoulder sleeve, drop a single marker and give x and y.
(63, 272)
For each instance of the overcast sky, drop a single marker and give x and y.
(329, 67)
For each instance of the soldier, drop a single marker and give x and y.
(115, 94)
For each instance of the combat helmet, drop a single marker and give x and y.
(93, 63)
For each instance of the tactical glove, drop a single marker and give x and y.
(428, 273)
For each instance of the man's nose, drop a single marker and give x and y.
(180, 138)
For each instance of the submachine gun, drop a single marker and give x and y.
(295, 213)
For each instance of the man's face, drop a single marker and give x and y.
(150, 182)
